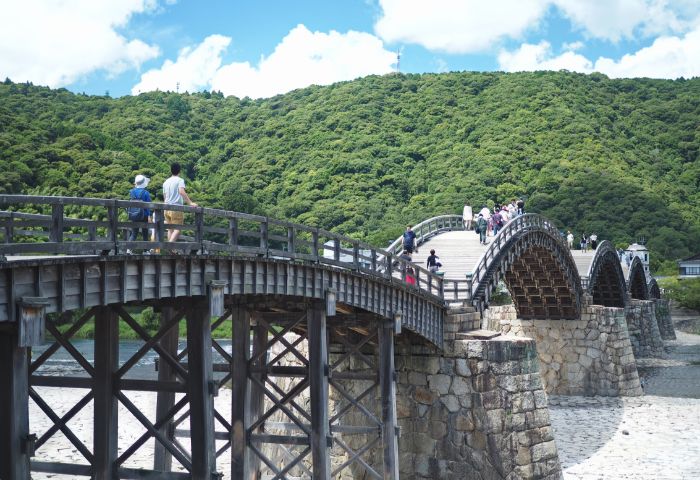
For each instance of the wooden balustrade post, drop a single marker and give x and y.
(160, 226)
(356, 255)
(264, 235)
(469, 286)
(113, 228)
(199, 228)
(291, 248)
(56, 231)
(314, 241)
(9, 228)
(233, 232)
(336, 249)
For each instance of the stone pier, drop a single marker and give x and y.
(644, 329)
(476, 411)
(589, 356)
(663, 319)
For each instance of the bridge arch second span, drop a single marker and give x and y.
(605, 279)
(636, 281)
(534, 262)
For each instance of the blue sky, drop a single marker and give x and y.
(265, 47)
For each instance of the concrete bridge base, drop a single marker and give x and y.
(589, 356)
(645, 335)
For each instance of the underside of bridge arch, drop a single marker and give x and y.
(653, 289)
(541, 285)
(607, 282)
(637, 281)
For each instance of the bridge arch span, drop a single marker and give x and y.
(534, 262)
(605, 279)
(636, 281)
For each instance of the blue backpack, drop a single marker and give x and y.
(136, 214)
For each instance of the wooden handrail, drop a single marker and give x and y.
(428, 228)
(210, 230)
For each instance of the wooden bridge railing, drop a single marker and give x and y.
(428, 228)
(31, 225)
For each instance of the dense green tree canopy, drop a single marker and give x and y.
(618, 157)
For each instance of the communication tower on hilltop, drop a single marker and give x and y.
(398, 60)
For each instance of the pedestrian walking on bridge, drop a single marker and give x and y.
(481, 226)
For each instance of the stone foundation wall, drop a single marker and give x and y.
(663, 319)
(477, 411)
(643, 328)
(590, 356)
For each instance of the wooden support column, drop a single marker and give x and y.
(162, 458)
(105, 423)
(240, 398)
(257, 397)
(200, 390)
(16, 444)
(318, 386)
(388, 397)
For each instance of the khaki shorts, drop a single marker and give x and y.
(174, 217)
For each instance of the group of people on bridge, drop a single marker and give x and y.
(487, 222)
(585, 242)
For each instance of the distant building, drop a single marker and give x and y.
(689, 267)
(637, 250)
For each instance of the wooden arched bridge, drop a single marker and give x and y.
(340, 299)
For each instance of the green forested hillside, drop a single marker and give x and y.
(619, 157)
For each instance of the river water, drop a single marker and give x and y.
(62, 363)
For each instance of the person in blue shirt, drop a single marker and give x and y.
(140, 194)
(409, 240)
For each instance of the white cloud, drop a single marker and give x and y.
(610, 20)
(456, 26)
(193, 70)
(668, 57)
(468, 26)
(302, 58)
(539, 57)
(573, 46)
(56, 42)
